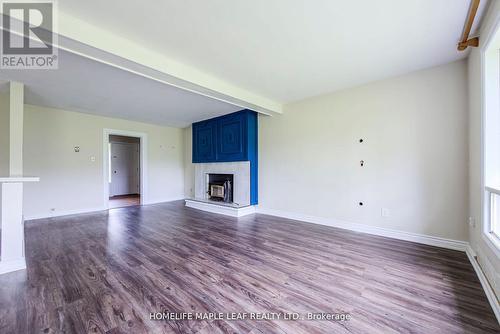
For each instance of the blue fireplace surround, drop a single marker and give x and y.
(229, 138)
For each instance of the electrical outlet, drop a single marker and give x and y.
(472, 222)
(384, 212)
(92, 159)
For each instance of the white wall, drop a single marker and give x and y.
(4, 134)
(415, 151)
(71, 182)
(488, 256)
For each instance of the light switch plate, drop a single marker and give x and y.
(384, 212)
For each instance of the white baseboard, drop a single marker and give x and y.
(64, 213)
(91, 210)
(221, 209)
(10, 266)
(384, 232)
(490, 294)
(165, 200)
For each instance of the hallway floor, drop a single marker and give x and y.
(124, 201)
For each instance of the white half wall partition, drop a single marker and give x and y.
(12, 223)
(12, 187)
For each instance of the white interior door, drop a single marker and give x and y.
(124, 169)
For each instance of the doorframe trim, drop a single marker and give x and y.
(143, 144)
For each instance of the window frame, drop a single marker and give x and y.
(490, 43)
(493, 235)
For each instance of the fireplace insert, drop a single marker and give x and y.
(220, 187)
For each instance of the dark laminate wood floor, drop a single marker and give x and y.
(105, 272)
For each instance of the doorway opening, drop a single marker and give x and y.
(124, 171)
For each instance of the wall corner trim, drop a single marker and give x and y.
(488, 290)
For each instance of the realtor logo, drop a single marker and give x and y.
(27, 35)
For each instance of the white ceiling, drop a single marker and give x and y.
(87, 86)
(287, 50)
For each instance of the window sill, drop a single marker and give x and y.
(494, 190)
(493, 243)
